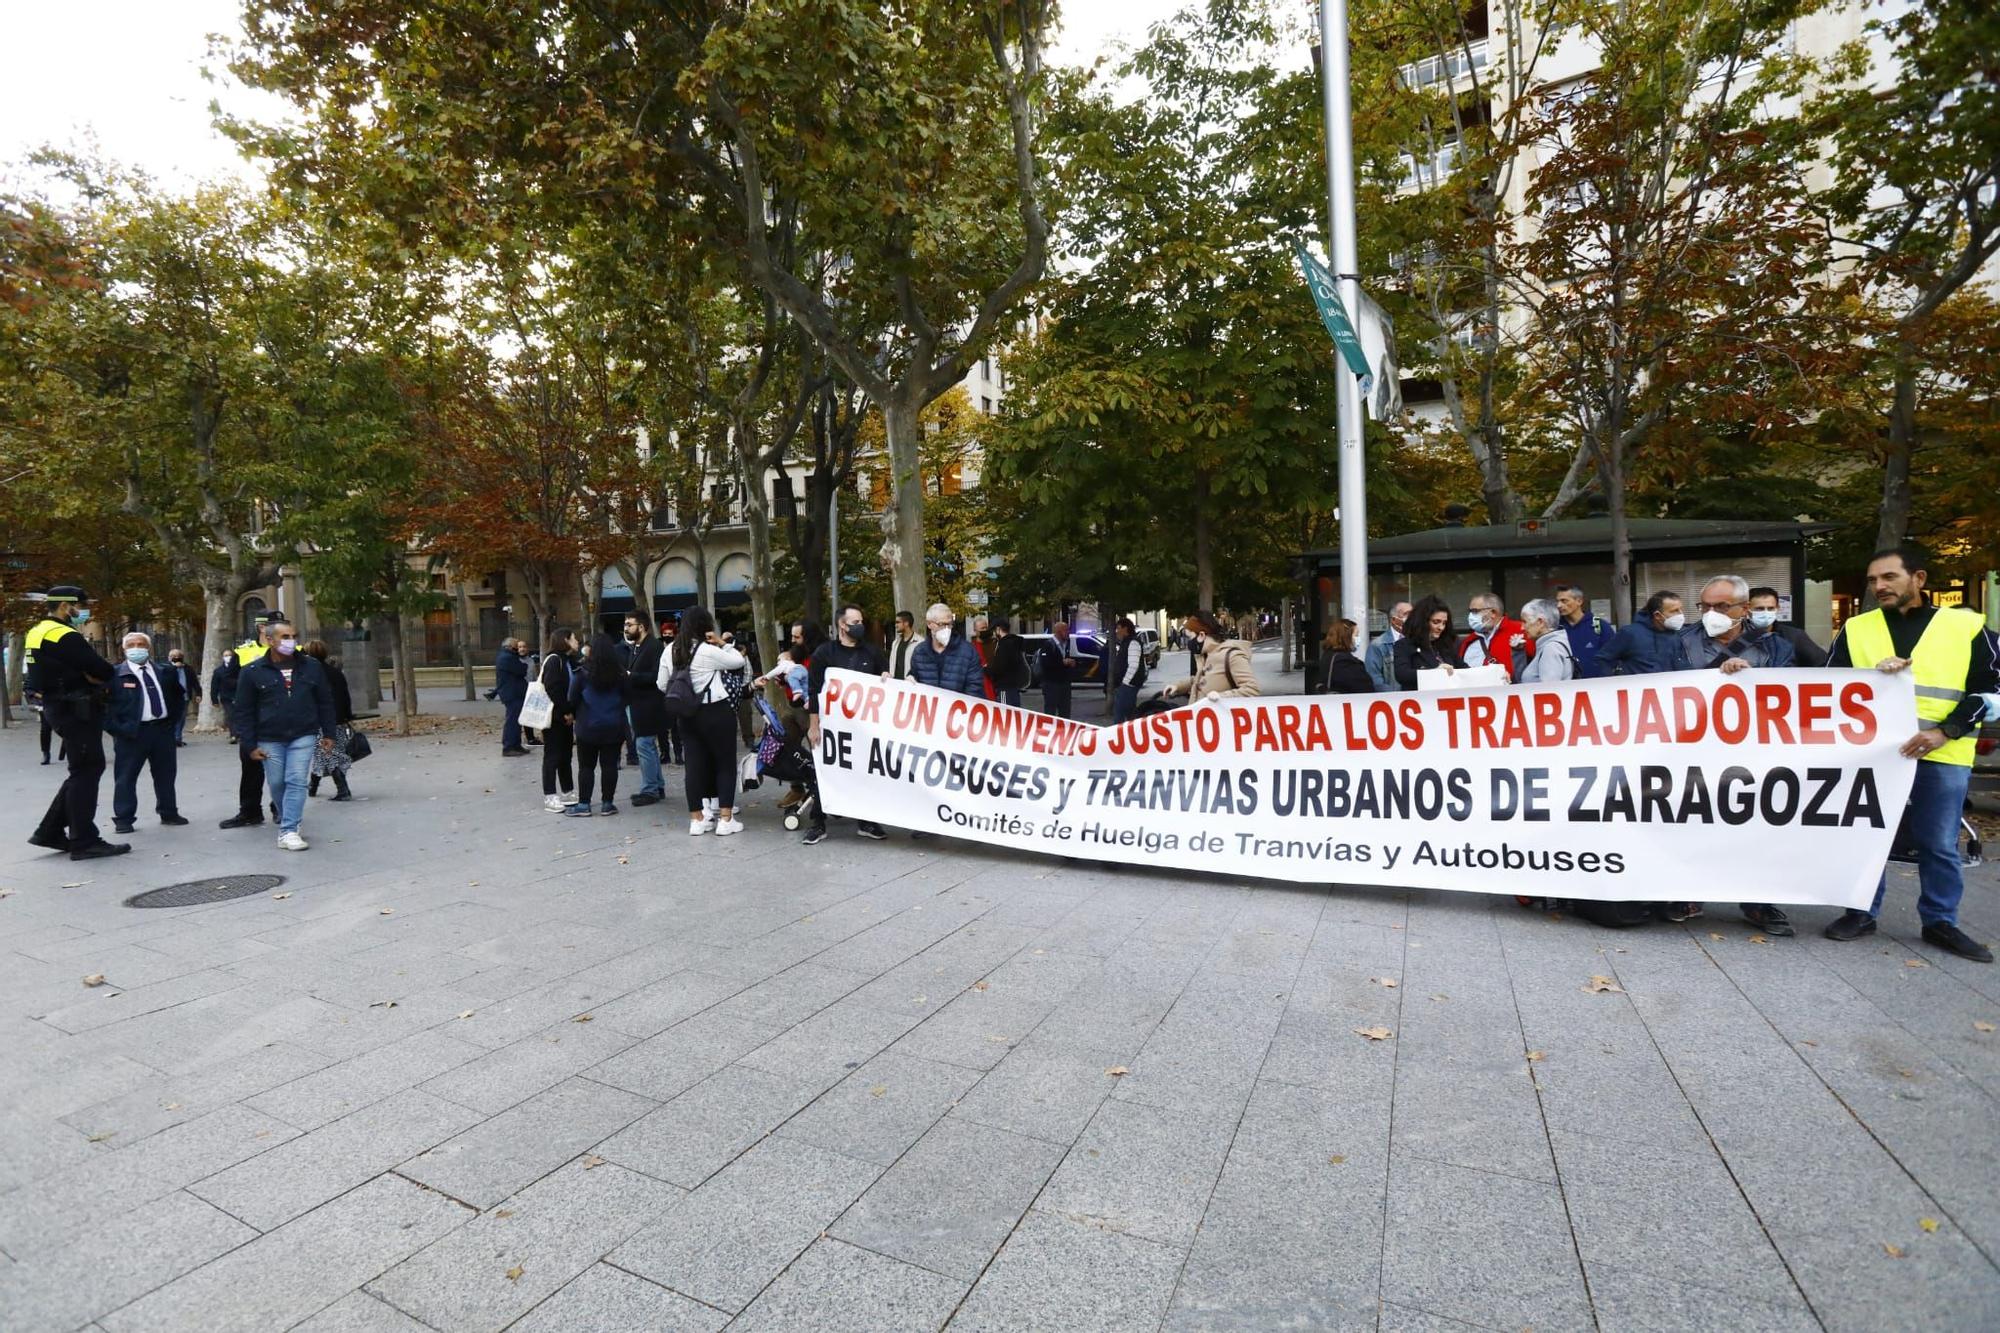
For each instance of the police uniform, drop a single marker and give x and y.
(1952, 657)
(71, 678)
(30, 688)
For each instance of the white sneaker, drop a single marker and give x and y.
(697, 827)
(554, 804)
(727, 826)
(292, 842)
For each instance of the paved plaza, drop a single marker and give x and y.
(477, 1067)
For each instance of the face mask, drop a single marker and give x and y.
(943, 636)
(287, 647)
(81, 618)
(1716, 623)
(1763, 619)
(1481, 622)
(851, 629)
(137, 655)
(1674, 621)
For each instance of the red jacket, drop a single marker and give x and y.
(1509, 639)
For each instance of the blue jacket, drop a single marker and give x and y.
(600, 713)
(510, 676)
(128, 697)
(1587, 638)
(1381, 661)
(956, 668)
(267, 709)
(1636, 650)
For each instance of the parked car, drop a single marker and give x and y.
(1087, 649)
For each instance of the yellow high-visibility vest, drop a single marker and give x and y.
(1939, 665)
(248, 651)
(46, 630)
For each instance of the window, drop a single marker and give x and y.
(252, 612)
(986, 406)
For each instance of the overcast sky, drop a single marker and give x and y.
(126, 74)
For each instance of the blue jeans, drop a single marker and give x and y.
(1937, 803)
(1124, 703)
(651, 783)
(510, 725)
(287, 765)
(1012, 698)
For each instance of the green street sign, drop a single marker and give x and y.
(1327, 297)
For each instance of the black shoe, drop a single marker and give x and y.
(1953, 940)
(647, 798)
(515, 752)
(274, 809)
(1850, 925)
(1768, 919)
(533, 741)
(100, 848)
(342, 795)
(814, 835)
(180, 745)
(45, 761)
(868, 830)
(245, 819)
(51, 841)
(172, 821)
(122, 826)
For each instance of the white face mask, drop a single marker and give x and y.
(137, 655)
(1674, 621)
(1716, 623)
(1763, 619)
(286, 647)
(943, 636)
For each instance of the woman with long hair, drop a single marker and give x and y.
(333, 763)
(711, 733)
(1341, 671)
(559, 737)
(597, 699)
(1428, 642)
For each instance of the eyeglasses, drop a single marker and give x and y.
(1715, 606)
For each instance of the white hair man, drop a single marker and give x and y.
(145, 702)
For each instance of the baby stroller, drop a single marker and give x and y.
(785, 758)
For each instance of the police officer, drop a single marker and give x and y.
(71, 679)
(1950, 655)
(222, 687)
(29, 694)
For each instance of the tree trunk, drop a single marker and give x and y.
(811, 546)
(10, 689)
(219, 605)
(903, 530)
(1621, 534)
(1894, 524)
(763, 581)
(464, 628)
(364, 669)
(399, 659)
(1204, 561)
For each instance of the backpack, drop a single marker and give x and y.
(681, 702)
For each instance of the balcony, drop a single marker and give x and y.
(1427, 171)
(1446, 69)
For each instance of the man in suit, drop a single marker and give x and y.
(145, 701)
(190, 683)
(510, 682)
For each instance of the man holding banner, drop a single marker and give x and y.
(1950, 654)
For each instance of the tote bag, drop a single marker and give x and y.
(537, 710)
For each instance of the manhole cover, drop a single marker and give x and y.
(197, 891)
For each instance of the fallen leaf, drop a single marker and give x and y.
(1715, 934)
(383, 1004)
(878, 1090)
(387, 911)
(1758, 939)
(172, 1106)
(583, 1018)
(592, 1160)
(1809, 1043)
(979, 985)
(1440, 997)
(1118, 1071)
(1335, 1160)
(503, 1212)
(995, 1036)
(1374, 1034)
(280, 897)
(1929, 1224)
(94, 979)
(1387, 983)
(1604, 985)
(465, 1013)
(514, 1273)
(1907, 1073)
(77, 884)
(1981, 1025)
(1893, 1251)
(1915, 962)
(99, 1138)
(1537, 1056)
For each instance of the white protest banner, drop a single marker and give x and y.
(1770, 786)
(1463, 678)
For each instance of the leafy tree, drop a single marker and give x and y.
(1914, 149)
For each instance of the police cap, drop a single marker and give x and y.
(65, 592)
